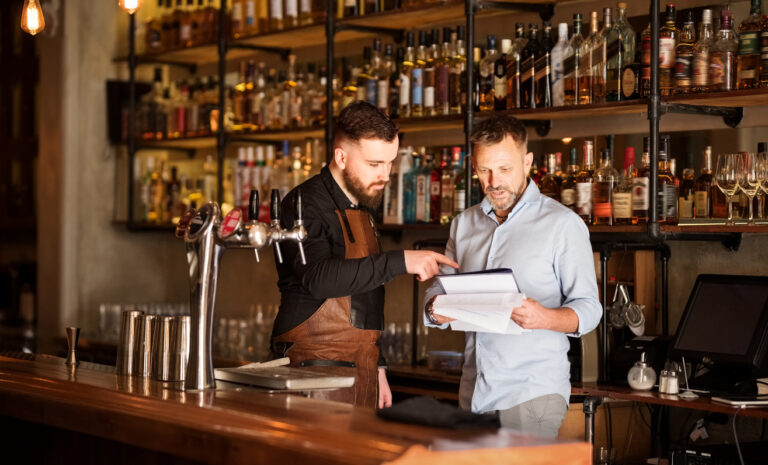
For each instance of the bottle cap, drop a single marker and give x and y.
(447, 34)
(409, 39)
(491, 42)
(706, 16)
(629, 157)
(460, 32)
(621, 5)
(761, 147)
(562, 31)
(506, 45)
(377, 44)
(423, 38)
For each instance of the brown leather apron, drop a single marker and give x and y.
(328, 335)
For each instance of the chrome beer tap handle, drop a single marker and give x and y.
(298, 227)
(253, 213)
(276, 231)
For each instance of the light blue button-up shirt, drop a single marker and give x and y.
(547, 247)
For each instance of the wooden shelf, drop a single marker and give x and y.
(734, 98)
(277, 135)
(739, 227)
(182, 143)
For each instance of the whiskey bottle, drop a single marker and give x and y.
(588, 60)
(556, 57)
(645, 61)
(417, 81)
(514, 60)
(276, 15)
(434, 167)
(406, 78)
(383, 75)
(456, 92)
(351, 8)
(605, 181)
(543, 65)
(764, 52)
(572, 64)
(666, 195)
(185, 23)
(487, 74)
(703, 189)
(748, 61)
(722, 67)
(395, 83)
(430, 81)
(477, 54)
(684, 56)
(530, 53)
(250, 24)
(154, 36)
(442, 69)
(668, 35)
(262, 15)
(460, 182)
(290, 14)
(239, 102)
(446, 188)
(549, 185)
(687, 191)
(640, 183)
(615, 60)
(237, 19)
(306, 15)
(500, 76)
(568, 186)
(626, 34)
(584, 183)
(702, 53)
(622, 193)
(599, 58)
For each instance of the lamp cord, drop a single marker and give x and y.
(736, 436)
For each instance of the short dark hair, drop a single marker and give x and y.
(493, 129)
(361, 120)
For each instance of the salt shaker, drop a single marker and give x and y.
(641, 377)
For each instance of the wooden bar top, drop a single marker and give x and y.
(240, 425)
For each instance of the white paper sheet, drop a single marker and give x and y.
(480, 312)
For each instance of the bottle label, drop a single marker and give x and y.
(434, 189)
(429, 97)
(422, 213)
(685, 207)
(417, 93)
(250, 12)
(748, 43)
(628, 83)
(185, 33)
(666, 52)
(350, 3)
(237, 12)
(646, 58)
(568, 197)
(405, 90)
(500, 87)
(683, 67)
(701, 69)
(291, 8)
(622, 205)
(701, 204)
(459, 199)
(383, 94)
(603, 209)
(667, 202)
(584, 198)
(276, 9)
(305, 6)
(640, 194)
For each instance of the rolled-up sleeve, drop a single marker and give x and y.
(575, 271)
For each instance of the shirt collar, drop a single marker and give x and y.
(530, 194)
(337, 193)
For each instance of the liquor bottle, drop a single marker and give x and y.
(615, 57)
(457, 92)
(530, 53)
(640, 199)
(645, 61)
(459, 181)
(487, 75)
(250, 23)
(395, 83)
(394, 203)
(370, 7)
(584, 182)
(306, 14)
(237, 19)
(666, 195)
(687, 191)
(764, 52)
(514, 59)
(209, 25)
(572, 64)
(383, 74)
(668, 35)
(606, 179)
(702, 53)
(684, 56)
(364, 75)
(406, 78)
(154, 36)
(588, 60)
(477, 54)
(622, 193)
(549, 185)
(447, 192)
(748, 61)
(599, 59)
(351, 8)
(559, 167)
(543, 65)
(423, 187)
(276, 15)
(626, 34)
(433, 56)
(417, 77)
(262, 15)
(556, 56)
(442, 69)
(197, 17)
(568, 186)
(722, 66)
(436, 166)
(703, 189)
(410, 189)
(290, 13)
(185, 24)
(500, 76)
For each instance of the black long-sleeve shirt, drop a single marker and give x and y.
(327, 273)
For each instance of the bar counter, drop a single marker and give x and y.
(239, 425)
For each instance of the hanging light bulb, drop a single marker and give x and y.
(131, 6)
(32, 20)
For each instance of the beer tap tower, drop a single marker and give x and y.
(207, 237)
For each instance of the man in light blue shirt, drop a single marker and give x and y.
(525, 377)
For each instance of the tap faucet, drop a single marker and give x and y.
(207, 237)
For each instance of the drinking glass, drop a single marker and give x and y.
(727, 181)
(762, 163)
(749, 180)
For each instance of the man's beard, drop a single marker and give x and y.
(362, 192)
(501, 204)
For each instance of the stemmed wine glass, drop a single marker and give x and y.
(726, 180)
(749, 179)
(762, 163)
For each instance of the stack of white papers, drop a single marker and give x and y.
(480, 301)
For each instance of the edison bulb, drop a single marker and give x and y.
(32, 20)
(131, 6)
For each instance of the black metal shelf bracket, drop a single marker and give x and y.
(283, 52)
(731, 115)
(397, 34)
(545, 10)
(190, 67)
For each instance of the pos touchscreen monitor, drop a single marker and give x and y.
(726, 323)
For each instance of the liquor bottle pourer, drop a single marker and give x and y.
(207, 236)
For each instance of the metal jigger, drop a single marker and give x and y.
(72, 335)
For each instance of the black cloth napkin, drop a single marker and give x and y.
(425, 410)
